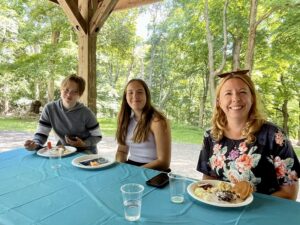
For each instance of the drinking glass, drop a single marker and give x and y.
(132, 200)
(55, 157)
(177, 187)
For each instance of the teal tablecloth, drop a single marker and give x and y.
(31, 193)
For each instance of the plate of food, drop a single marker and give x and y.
(93, 161)
(220, 193)
(54, 151)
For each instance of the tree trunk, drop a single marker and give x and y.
(251, 36)
(253, 24)
(35, 107)
(284, 108)
(298, 142)
(50, 86)
(37, 90)
(285, 116)
(203, 99)
(236, 50)
(211, 62)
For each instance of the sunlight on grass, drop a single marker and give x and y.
(186, 134)
(15, 124)
(180, 133)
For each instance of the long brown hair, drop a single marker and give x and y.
(255, 117)
(149, 113)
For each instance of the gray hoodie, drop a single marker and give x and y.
(79, 121)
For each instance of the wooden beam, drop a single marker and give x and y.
(71, 10)
(87, 69)
(126, 4)
(102, 13)
(54, 1)
(87, 55)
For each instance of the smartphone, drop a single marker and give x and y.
(72, 138)
(98, 160)
(159, 180)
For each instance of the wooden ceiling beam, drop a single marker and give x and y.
(126, 4)
(70, 8)
(102, 13)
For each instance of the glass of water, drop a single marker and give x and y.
(132, 200)
(55, 157)
(177, 187)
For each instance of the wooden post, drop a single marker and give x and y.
(87, 68)
(87, 55)
(87, 17)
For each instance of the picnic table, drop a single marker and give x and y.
(33, 193)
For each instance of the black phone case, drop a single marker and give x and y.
(73, 138)
(159, 181)
(99, 160)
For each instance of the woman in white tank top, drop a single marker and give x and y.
(143, 133)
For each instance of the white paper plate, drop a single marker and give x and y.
(214, 201)
(85, 158)
(45, 152)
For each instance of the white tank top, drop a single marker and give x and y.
(140, 152)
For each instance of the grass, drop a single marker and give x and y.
(16, 124)
(186, 134)
(180, 133)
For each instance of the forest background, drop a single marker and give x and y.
(187, 43)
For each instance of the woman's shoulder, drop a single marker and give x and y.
(269, 127)
(159, 122)
(207, 132)
(269, 132)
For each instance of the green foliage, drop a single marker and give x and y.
(172, 58)
(297, 150)
(116, 43)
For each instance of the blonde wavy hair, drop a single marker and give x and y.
(256, 116)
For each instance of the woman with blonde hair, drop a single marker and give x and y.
(242, 145)
(143, 132)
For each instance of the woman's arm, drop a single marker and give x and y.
(122, 153)
(162, 135)
(288, 191)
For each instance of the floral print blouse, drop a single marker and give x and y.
(268, 163)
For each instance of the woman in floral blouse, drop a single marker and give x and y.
(242, 145)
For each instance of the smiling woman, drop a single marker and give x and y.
(143, 133)
(243, 146)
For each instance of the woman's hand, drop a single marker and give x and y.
(288, 191)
